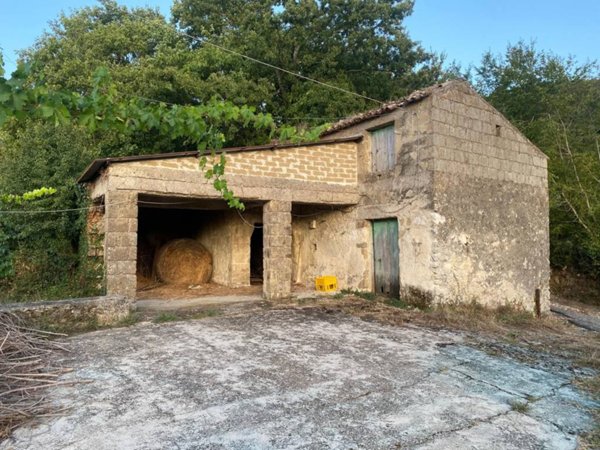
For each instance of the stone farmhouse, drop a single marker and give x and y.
(434, 198)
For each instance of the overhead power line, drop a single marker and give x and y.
(281, 69)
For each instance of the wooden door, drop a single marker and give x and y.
(386, 257)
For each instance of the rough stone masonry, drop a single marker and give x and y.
(466, 190)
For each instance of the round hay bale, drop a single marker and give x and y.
(183, 261)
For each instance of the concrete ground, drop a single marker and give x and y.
(307, 380)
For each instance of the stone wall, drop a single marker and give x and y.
(331, 243)
(470, 195)
(227, 237)
(328, 163)
(471, 138)
(404, 193)
(277, 249)
(78, 314)
(183, 177)
(325, 174)
(490, 190)
(120, 252)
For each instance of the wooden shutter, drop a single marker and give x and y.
(383, 149)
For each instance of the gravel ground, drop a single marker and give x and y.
(301, 379)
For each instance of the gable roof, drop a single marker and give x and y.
(416, 97)
(98, 164)
(389, 107)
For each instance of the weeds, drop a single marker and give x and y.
(519, 406)
(205, 313)
(65, 325)
(365, 295)
(166, 317)
(397, 303)
(131, 319)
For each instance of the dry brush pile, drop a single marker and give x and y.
(26, 372)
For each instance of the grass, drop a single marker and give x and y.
(591, 439)
(166, 317)
(64, 326)
(519, 406)
(131, 319)
(205, 313)
(472, 316)
(365, 295)
(78, 325)
(397, 303)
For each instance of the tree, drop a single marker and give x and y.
(159, 89)
(556, 103)
(358, 45)
(146, 57)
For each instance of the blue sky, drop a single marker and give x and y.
(463, 29)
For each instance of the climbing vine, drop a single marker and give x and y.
(104, 109)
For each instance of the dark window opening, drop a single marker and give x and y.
(256, 255)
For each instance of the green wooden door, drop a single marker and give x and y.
(386, 259)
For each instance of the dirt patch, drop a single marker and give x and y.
(157, 290)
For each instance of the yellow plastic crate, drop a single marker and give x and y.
(327, 283)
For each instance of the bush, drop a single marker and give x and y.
(43, 254)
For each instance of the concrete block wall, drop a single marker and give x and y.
(472, 138)
(331, 163)
(470, 195)
(120, 243)
(331, 243)
(278, 175)
(490, 191)
(277, 249)
(328, 163)
(182, 176)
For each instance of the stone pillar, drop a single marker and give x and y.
(120, 243)
(277, 249)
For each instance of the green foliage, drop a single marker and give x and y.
(397, 303)
(158, 89)
(357, 45)
(40, 251)
(555, 102)
(519, 406)
(27, 196)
